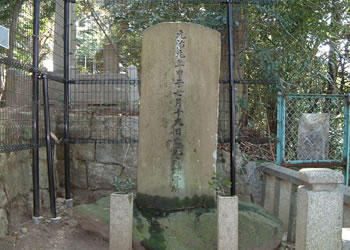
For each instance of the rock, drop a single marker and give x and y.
(254, 180)
(130, 127)
(79, 174)
(121, 154)
(257, 228)
(191, 229)
(3, 198)
(24, 230)
(17, 174)
(101, 176)
(84, 152)
(94, 218)
(79, 127)
(60, 200)
(3, 223)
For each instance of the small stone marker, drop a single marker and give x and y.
(4, 37)
(121, 219)
(178, 115)
(227, 217)
(319, 210)
(313, 137)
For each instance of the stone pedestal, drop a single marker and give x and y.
(178, 115)
(227, 223)
(121, 219)
(319, 210)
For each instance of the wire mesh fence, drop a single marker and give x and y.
(16, 71)
(16, 80)
(332, 107)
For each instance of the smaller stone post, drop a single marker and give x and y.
(319, 210)
(227, 222)
(120, 225)
(133, 90)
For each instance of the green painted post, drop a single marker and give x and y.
(279, 128)
(346, 152)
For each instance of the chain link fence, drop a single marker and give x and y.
(332, 110)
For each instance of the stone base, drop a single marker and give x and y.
(189, 229)
(69, 203)
(167, 203)
(37, 220)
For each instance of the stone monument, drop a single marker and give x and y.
(313, 137)
(178, 115)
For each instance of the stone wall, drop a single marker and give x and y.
(94, 167)
(16, 198)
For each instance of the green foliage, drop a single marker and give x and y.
(124, 184)
(219, 183)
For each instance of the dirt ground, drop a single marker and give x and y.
(65, 234)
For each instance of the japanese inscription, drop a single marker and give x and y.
(178, 143)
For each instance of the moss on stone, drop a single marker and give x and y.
(150, 201)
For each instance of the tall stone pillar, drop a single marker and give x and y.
(319, 210)
(178, 115)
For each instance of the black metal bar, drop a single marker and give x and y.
(66, 99)
(49, 148)
(232, 98)
(35, 113)
(54, 77)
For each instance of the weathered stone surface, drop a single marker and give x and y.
(17, 174)
(284, 203)
(106, 127)
(319, 219)
(3, 223)
(121, 221)
(79, 174)
(101, 176)
(313, 137)
(94, 218)
(130, 127)
(254, 180)
(85, 152)
(79, 126)
(258, 229)
(60, 152)
(17, 211)
(60, 172)
(190, 229)
(110, 59)
(321, 176)
(179, 110)
(121, 154)
(44, 183)
(3, 197)
(227, 223)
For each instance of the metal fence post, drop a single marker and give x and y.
(66, 103)
(232, 98)
(49, 148)
(35, 115)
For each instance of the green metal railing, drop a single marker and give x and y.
(290, 108)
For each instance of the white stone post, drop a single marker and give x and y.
(319, 210)
(227, 223)
(133, 91)
(120, 225)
